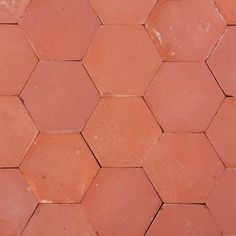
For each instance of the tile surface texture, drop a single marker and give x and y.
(117, 117)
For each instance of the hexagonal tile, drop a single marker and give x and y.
(122, 60)
(12, 10)
(59, 168)
(59, 219)
(222, 132)
(16, 202)
(184, 97)
(121, 132)
(60, 96)
(17, 131)
(222, 203)
(123, 11)
(60, 30)
(17, 61)
(119, 196)
(183, 168)
(222, 61)
(184, 220)
(228, 10)
(185, 30)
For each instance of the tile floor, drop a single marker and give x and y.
(117, 118)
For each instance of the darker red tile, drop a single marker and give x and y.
(185, 30)
(59, 168)
(184, 220)
(123, 11)
(60, 30)
(183, 168)
(222, 61)
(222, 132)
(121, 201)
(228, 10)
(184, 97)
(59, 219)
(122, 60)
(16, 203)
(17, 131)
(60, 96)
(121, 132)
(17, 59)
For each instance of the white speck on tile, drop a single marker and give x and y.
(158, 35)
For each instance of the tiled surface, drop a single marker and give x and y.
(117, 118)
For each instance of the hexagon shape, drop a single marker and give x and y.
(184, 97)
(12, 10)
(60, 30)
(17, 131)
(16, 202)
(183, 168)
(123, 11)
(228, 10)
(222, 132)
(117, 137)
(122, 60)
(59, 168)
(185, 220)
(17, 62)
(222, 203)
(60, 96)
(119, 196)
(59, 219)
(222, 61)
(185, 30)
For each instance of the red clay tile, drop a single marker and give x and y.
(222, 203)
(59, 168)
(12, 10)
(228, 10)
(122, 60)
(183, 168)
(60, 96)
(222, 61)
(184, 220)
(121, 132)
(184, 96)
(185, 30)
(121, 201)
(17, 131)
(123, 11)
(222, 132)
(17, 60)
(16, 203)
(59, 220)
(60, 30)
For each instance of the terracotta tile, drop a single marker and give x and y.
(60, 30)
(115, 134)
(17, 61)
(122, 60)
(222, 61)
(121, 201)
(17, 131)
(222, 132)
(183, 168)
(185, 30)
(184, 97)
(59, 168)
(60, 96)
(123, 11)
(60, 220)
(12, 10)
(222, 203)
(184, 220)
(228, 10)
(16, 202)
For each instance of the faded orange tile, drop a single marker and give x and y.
(228, 10)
